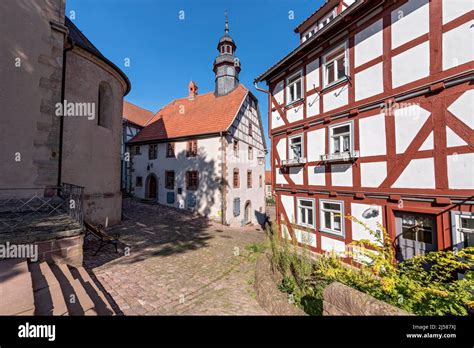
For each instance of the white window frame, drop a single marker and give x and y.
(351, 140)
(288, 86)
(298, 213)
(332, 13)
(346, 67)
(323, 228)
(290, 150)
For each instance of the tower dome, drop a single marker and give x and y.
(226, 64)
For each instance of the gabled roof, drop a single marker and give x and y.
(204, 115)
(136, 114)
(79, 39)
(320, 12)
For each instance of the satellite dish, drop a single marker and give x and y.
(371, 212)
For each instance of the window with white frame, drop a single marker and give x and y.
(305, 213)
(295, 150)
(332, 217)
(340, 138)
(326, 19)
(294, 88)
(335, 65)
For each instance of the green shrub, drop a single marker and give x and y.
(423, 285)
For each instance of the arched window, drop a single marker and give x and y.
(105, 105)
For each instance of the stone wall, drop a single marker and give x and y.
(64, 250)
(340, 299)
(268, 295)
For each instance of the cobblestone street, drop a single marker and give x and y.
(179, 264)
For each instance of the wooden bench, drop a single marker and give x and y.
(104, 238)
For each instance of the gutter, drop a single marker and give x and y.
(61, 120)
(223, 163)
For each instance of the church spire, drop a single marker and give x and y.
(226, 65)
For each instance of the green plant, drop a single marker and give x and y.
(423, 285)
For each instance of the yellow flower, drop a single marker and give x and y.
(388, 284)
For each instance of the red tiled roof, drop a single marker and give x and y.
(268, 177)
(205, 114)
(136, 114)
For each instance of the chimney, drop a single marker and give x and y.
(193, 90)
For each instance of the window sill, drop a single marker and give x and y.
(289, 105)
(332, 233)
(334, 84)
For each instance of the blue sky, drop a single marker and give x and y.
(166, 52)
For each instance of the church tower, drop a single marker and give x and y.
(226, 65)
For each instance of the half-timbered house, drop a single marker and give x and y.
(372, 116)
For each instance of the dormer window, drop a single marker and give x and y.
(294, 88)
(335, 65)
(326, 19)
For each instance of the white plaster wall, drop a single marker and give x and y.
(295, 114)
(458, 45)
(335, 99)
(369, 82)
(359, 231)
(312, 105)
(332, 245)
(452, 139)
(418, 174)
(316, 175)
(408, 122)
(411, 65)
(288, 203)
(208, 163)
(316, 144)
(463, 108)
(281, 148)
(278, 91)
(256, 194)
(372, 140)
(305, 237)
(341, 174)
(409, 21)
(277, 121)
(453, 9)
(428, 143)
(372, 174)
(296, 174)
(312, 75)
(279, 178)
(369, 43)
(461, 171)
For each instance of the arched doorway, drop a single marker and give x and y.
(248, 212)
(151, 191)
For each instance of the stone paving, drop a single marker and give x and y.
(175, 263)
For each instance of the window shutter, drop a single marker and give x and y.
(236, 206)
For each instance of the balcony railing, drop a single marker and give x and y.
(294, 162)
(340, 156)
(37, 210)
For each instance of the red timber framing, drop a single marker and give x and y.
(434, 93)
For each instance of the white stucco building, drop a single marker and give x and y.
(206, 152)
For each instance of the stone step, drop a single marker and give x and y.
(48, 295)
(16, 288)
(77, 300)
(102, 305)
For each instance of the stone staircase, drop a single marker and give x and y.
(49, 289)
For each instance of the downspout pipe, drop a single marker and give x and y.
(223, 163)
(61, 120)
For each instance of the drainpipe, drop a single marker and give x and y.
(223, 163)
(61, 120)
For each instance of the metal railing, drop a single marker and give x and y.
(29, 207)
